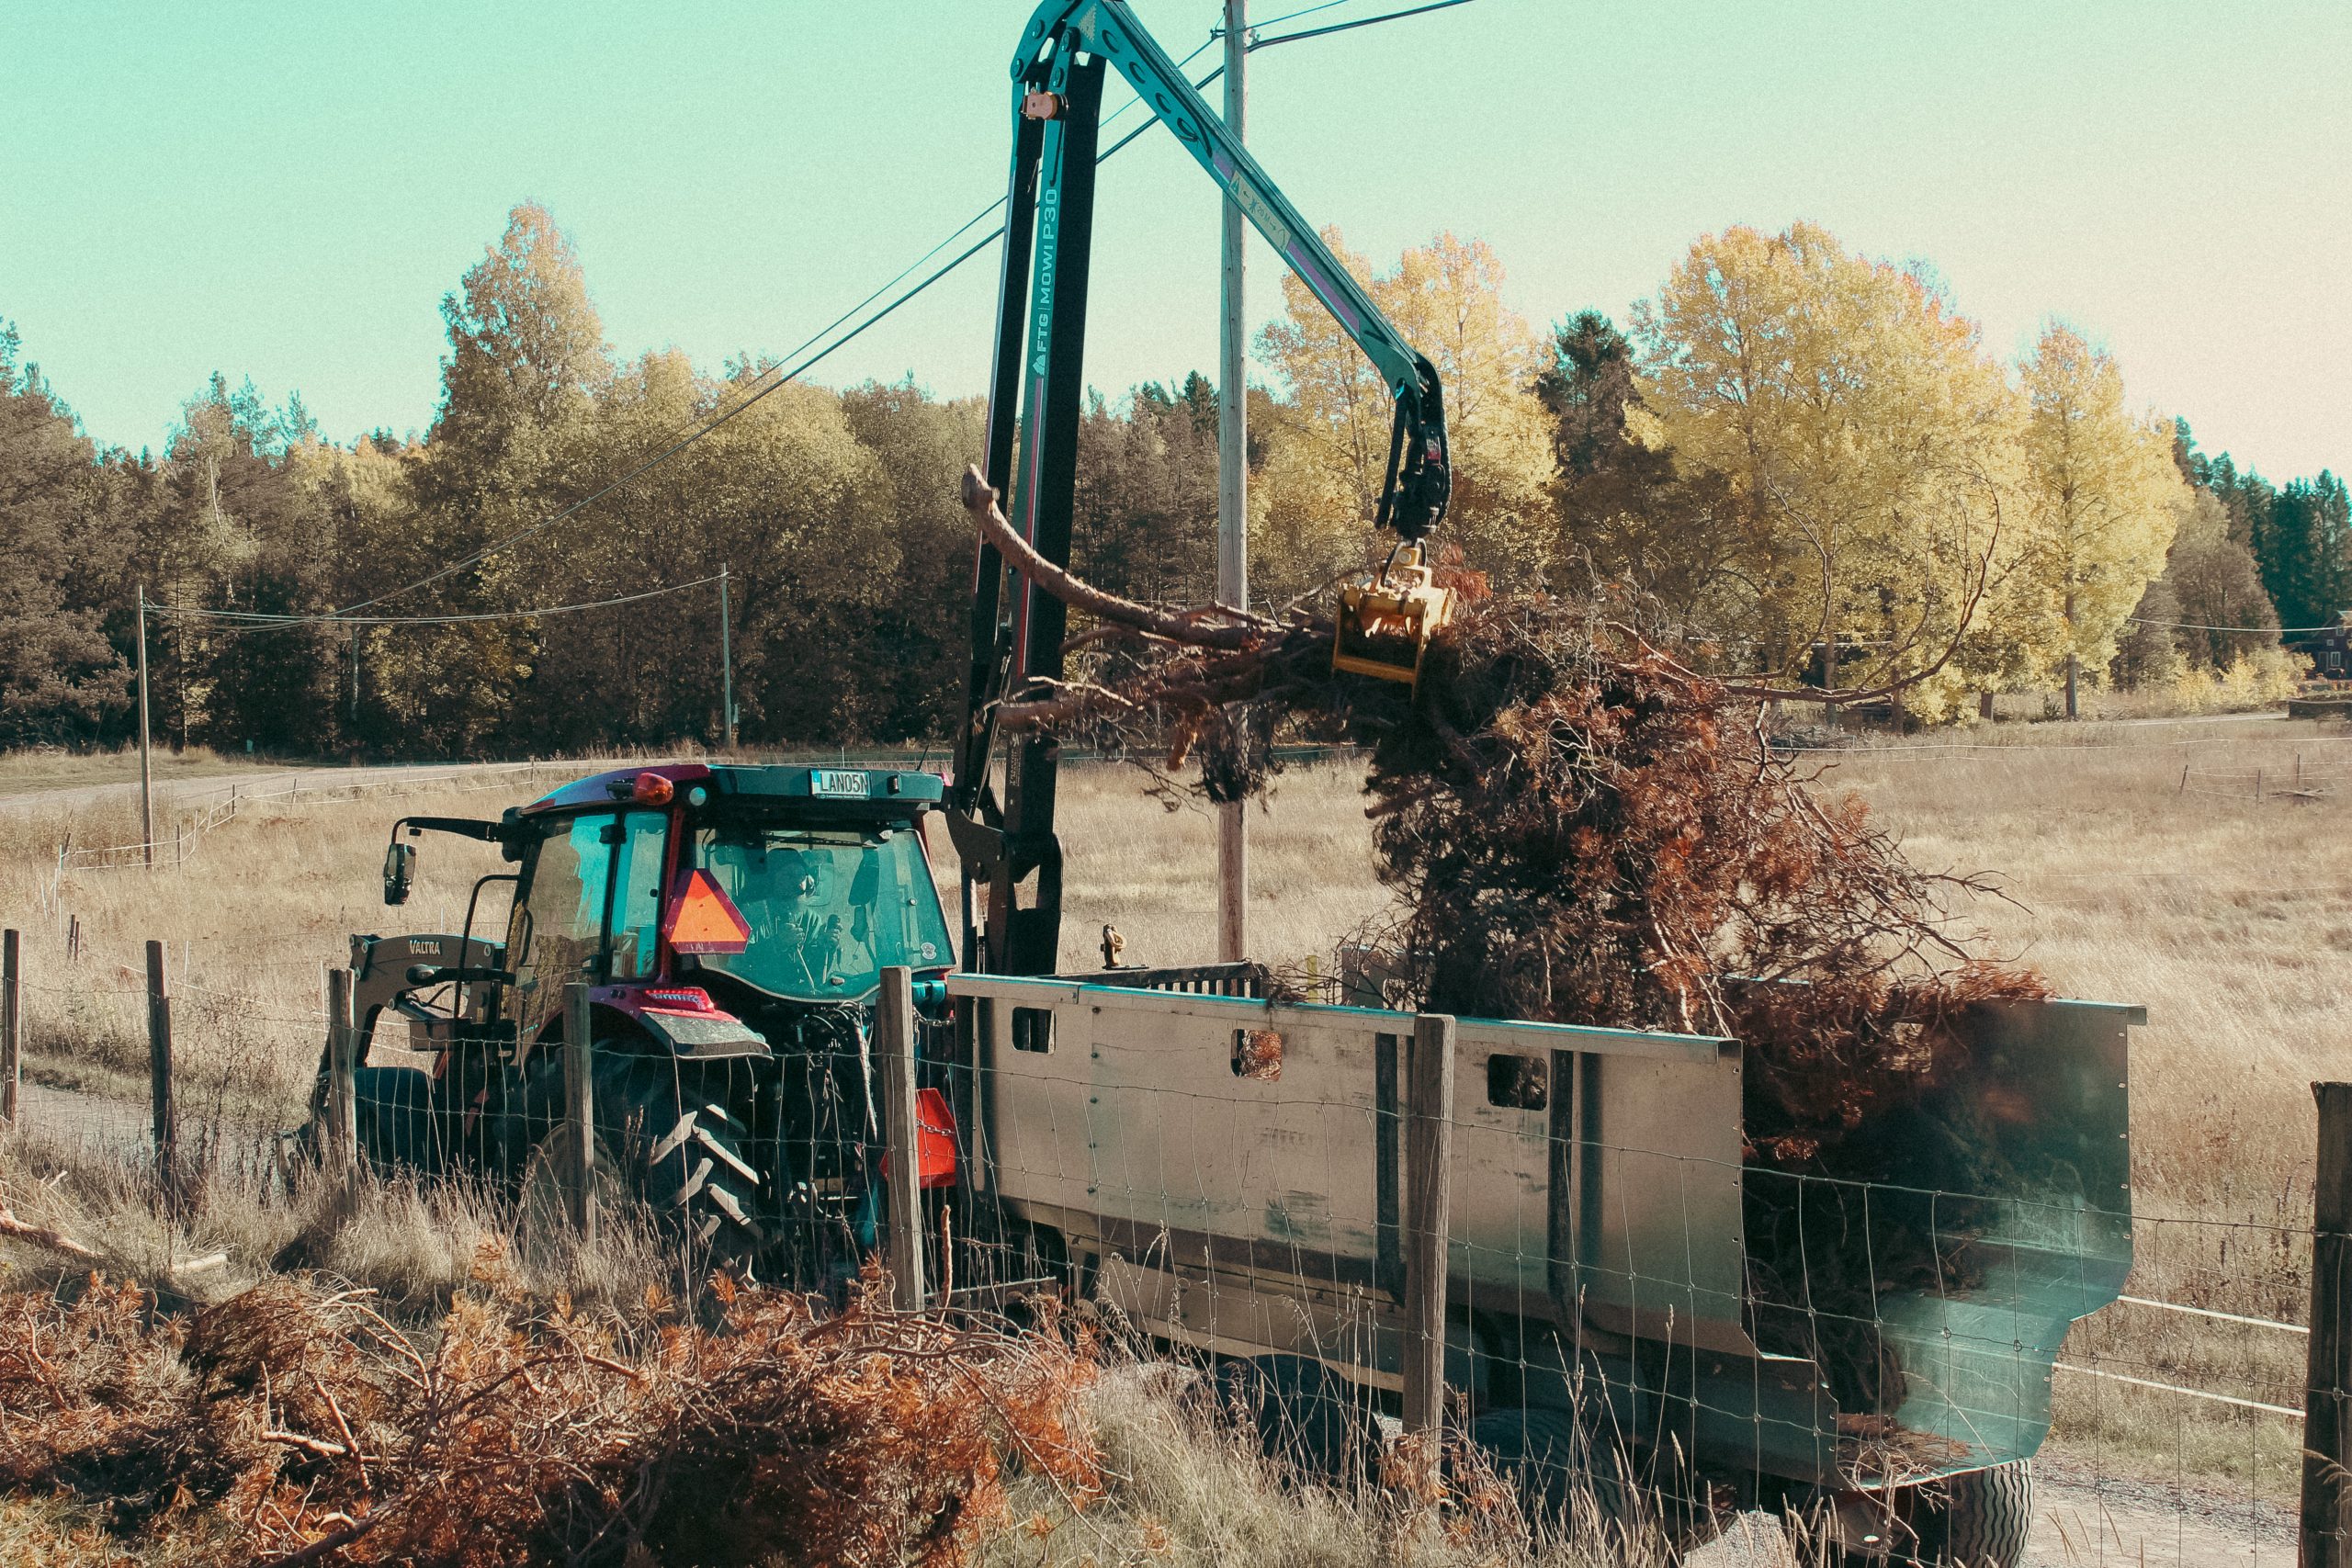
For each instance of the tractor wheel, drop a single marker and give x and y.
(396, 1117)
(665, 1135)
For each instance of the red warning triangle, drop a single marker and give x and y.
(702, 919)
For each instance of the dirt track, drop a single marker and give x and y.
(2082, 1519)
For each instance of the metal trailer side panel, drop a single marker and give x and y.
(1154, 1146)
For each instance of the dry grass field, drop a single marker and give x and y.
(2225, 914)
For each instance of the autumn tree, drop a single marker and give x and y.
(1327, 447)
(511, 443)
(2102, 500)
(1628, 515)
(920, 638)
(59, 677)
(2188, 615)
(1867, 445)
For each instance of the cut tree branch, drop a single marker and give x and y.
(1233, 631)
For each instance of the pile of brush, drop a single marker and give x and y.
(1581, 830)
(293, 1423)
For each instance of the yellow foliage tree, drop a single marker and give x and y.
(1868, 445)
(1328, 445)
(2103, 499)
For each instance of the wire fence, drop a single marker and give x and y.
(2299, 781)
(197, 813)
(1629, 1309)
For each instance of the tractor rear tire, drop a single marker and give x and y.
(666, 1136)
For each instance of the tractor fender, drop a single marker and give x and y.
(685, 1020)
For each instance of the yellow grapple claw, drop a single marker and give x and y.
(1386, 621)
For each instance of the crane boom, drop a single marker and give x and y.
(1058, 72)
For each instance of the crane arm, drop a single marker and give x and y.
(1012, 855)
(1413, 500)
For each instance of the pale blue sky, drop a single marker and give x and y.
(286, 192)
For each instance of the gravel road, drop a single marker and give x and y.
(2082, 1520)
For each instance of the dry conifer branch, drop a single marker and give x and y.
(41, 1236)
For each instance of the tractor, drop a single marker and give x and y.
(732, 923)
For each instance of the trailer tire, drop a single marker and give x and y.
(1976, 1519)
(666, 1136)
(1306, 1415)
(1552, 1462)
(1540, 1452)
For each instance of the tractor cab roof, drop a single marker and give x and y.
(838, 793)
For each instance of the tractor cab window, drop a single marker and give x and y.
(636, 895)
(828, 909)
(558, 924)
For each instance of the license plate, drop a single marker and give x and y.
(825, 780)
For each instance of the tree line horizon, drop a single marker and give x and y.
(1791, 460)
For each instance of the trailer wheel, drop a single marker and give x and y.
(1978, 1518)
(1306, 1416)
(1541, 1454)
(666, 1136)
(1567, 1480)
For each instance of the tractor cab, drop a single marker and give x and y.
(758, 885)
(668, 887)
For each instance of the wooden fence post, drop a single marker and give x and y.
(343, 1082)
(12, 1022)
(580, 1111)
(894, 1043)
(158, 1077)
(2325, 1491)
(1429, 1214)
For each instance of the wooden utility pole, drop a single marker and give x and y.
(894, 1044)
(2325, 1448)
(342, 1153)
(146, 773)
(1233, 493)
(1428, 1220)
(726, 667)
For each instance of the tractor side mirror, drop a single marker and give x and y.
(400, 871)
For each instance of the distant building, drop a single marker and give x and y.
(2330, 651)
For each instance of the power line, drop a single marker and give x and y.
(699, 432)
(876, 318)
(2194, 626)
(253, 621)
(1285, 16)
(1257, 43)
